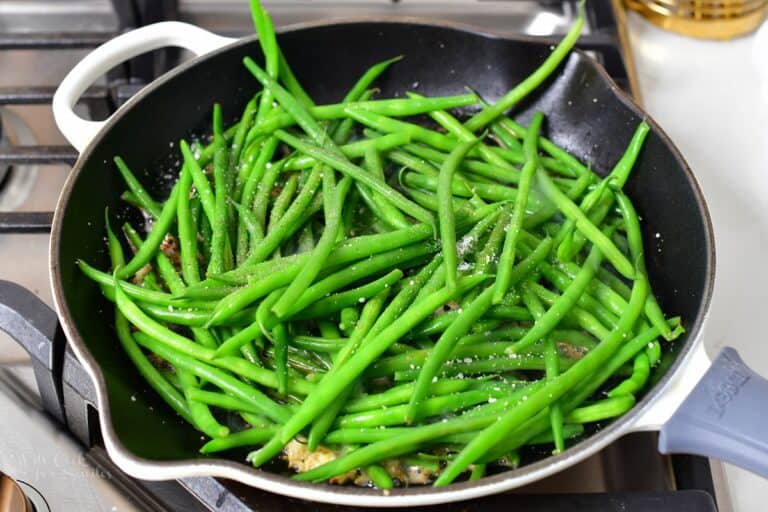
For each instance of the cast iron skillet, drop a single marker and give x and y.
(586, 114)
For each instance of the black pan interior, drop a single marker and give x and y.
(584, 115)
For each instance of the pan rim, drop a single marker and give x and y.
(159, 470)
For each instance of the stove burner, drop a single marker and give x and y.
(16, 182)
(12, 496)
(3, 144)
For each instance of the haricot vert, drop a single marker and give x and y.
(344, 277)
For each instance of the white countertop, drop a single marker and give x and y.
(712, 99)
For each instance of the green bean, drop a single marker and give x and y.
(175, 284)
(139, 192)
(297, 111)
(486, 191)
(219, 243)
(602, 201)
(484, 169)
(415, 358)
(130, 198)
(385, 124)
(232, 344)
(187, 230)
(379, 476)
(220, 400)
(339, 301)
(188, 316)
(552, 369)
(248, 437)
(291, 83)
(587, 301)
(262, 376)
(137, 292)
(411, 162)
(524, 88)
(390, 446)
(348, 318)
(146, 324)
(653, 351)
(147, 370)
(379, 205)
(365, 81)
(334, 196)
(635, 239)
(575, 397)
(358, 174)
(522, 362)
(264, 193)
(478, 472)
(202, 185)
(357, 271)
(389, 107)
(583, 224)
(400, 395)
(319, 344)
(345, 374)
(246, 295)
(282, 201)
(347, 251)
(601, 410)
(435, 406)
(268, 42)
(353, 150)
(505, 138)
(641, 371)
(280, 334)
(583, 318)
(559, 154)
(453, 126)
(249, 192)
(323, 423)
(440, 323)
(201, 414)
(252, 227)
(565, 234)
(445, 211)
(147, 251)
(564, 304)
(273, 239)
(551, 391)
(445, 345)
(248, 394)
(507, 259)
(238, 159)
(570, 431)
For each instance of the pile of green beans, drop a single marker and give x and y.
(343, 277)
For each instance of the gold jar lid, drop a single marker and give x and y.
(708, 19)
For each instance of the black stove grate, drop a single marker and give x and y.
(692, 474)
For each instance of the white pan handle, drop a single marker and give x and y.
(682, 383)
(79, 132)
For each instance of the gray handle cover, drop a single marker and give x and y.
(723, 417)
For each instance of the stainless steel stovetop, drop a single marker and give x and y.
(54, 469)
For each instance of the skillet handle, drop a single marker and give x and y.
(79, 132)
(723, 417)
(34, 325)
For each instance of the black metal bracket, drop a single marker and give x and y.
(35, 326)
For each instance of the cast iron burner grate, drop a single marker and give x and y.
(67, 392)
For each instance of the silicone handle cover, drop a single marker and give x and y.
(723, 417)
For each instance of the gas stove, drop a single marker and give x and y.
(54, 453)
